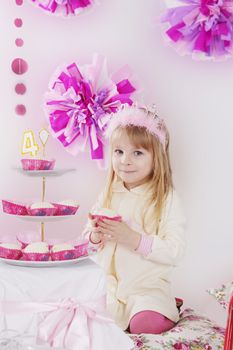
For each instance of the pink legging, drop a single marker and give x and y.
(149, 322)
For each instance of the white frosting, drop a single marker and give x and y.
(37, 247)
(106, 212)
(70, 202)
(39, 205)
(62, 246)
(10, 246)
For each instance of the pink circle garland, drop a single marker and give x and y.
(20, 109)
(19, 2)
(20, 89)
(80, 101)
(19, 66)
(202, 28)
(18, 22)
(19, 42)
(65, 8)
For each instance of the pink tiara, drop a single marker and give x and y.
(139, 116)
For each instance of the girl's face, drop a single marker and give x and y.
(132, 165)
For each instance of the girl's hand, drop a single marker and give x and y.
(94, 235)
(119, 232)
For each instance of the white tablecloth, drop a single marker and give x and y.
(83, 283)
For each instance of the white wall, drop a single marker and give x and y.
(195, 98)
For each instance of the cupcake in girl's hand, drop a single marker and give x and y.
(10, 251)
(37, 251)
(105, 213)
(38, 164)
(42, 209)
(63, 251)
(67, 207)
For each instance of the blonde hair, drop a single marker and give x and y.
(159, 181)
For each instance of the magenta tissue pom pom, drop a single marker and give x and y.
(80, 102)
(63, 7)
(202, 28)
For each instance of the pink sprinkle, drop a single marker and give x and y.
(20, 109)
(19, 66)
(19, 2)
(18, 22)
(20, 89)
(19, 42)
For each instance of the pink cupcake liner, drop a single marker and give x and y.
(23, 244)
(101, 217)
(38, 164)
(42, 211)
(63, 255)
(65, 209)
(81, 249)
(7, 253)
(14, 208)
(36, 256)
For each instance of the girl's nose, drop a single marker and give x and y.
(125, 159)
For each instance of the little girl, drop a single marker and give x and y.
(139, 252)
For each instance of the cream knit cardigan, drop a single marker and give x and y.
(136, 283)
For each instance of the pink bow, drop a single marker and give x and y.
(66, 323)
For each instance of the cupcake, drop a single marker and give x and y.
(42, 209)
(37, 251)
(67, 207)
(105, 213)
(10, 251)
(63, 251)
(14, 208)
(37, 164)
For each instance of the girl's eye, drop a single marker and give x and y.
(138, 153)
(118, 151)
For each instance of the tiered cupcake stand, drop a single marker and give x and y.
(43, 174)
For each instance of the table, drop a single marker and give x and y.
(60, 306)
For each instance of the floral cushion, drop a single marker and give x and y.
(192, 332)
(222, 294)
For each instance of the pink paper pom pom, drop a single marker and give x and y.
(80, 102)
(202, 28)
(65, 8)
